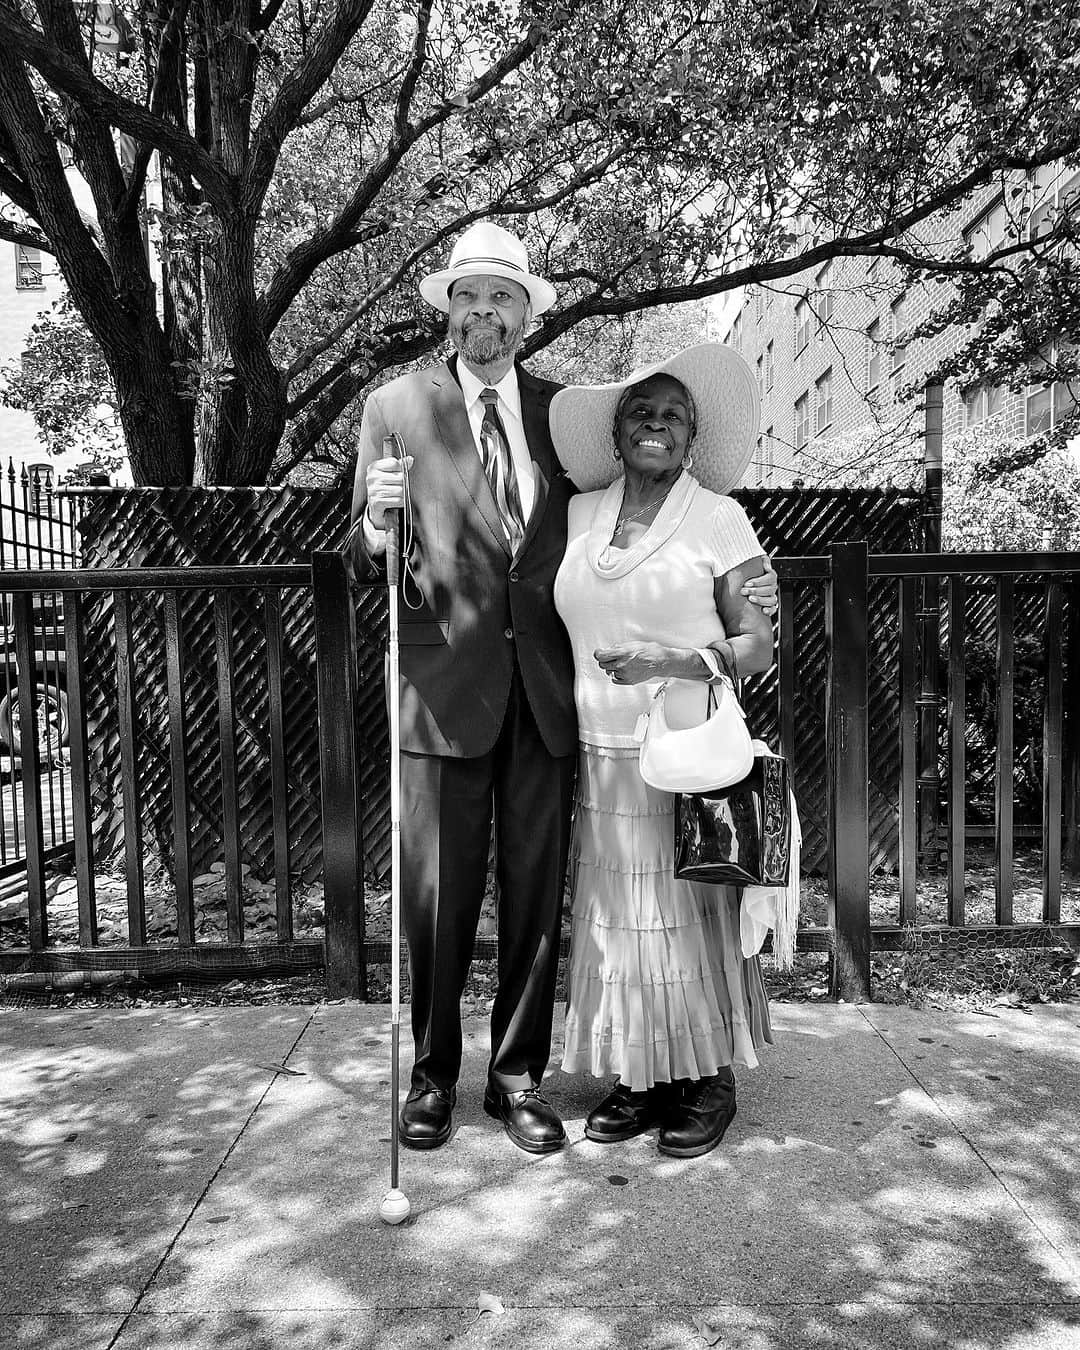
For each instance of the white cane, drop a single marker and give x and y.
(395, 1206)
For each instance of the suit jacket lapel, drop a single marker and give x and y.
(535, 398)
(453, 422)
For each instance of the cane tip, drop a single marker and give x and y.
(395, 1207)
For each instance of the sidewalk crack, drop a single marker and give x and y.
(963, 1134)
(152, 1277)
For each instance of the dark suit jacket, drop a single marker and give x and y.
(475, 606)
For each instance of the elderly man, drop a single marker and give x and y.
(487, 708)
(488, 727)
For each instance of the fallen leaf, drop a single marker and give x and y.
(705, 1329)
(280, 1068)
(488, 1303)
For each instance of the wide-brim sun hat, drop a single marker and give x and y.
(725, 396)
(487, 250)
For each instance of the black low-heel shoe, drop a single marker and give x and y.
(700, 1120)
(528, 1118)
(427, 1117)
(624, 1114)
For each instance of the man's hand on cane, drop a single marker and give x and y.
(385, 488)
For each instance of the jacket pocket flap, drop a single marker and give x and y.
(429, 634)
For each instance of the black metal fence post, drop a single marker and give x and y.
(339, 768)
(848, 772)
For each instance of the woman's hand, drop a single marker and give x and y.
(636, 662)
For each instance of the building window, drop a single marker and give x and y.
(823, 418)
(768, 367)
(27, 268)
(759, 304)
(802, 421)
(1048, 404)
(804, 319)
(989, 231)
(735, 336)
(760, 376)
(1055, 188)
(764, 460)
(873, 356)
(824, 286)
(982, 401)
(899, 341)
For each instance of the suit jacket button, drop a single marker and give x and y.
(508, 632)
(513, 576)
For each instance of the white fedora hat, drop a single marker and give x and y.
(725, 397)
(487, 250)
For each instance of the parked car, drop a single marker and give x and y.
(50, 677)
(34, 534)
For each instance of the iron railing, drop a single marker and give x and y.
(839, 584)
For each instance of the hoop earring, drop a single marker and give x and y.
(688, 461)
(616, 454)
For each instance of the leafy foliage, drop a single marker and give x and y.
(63, 381)
(316, 158)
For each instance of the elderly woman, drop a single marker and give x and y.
(650, 589)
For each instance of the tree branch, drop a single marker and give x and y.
(412, 74)
(393, 279)
(24, 234)
(67, 77)
(296, 91)
(303, 261)
(871, 242)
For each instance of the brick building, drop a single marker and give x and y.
(835, 371)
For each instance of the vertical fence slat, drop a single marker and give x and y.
(1003, 789)
(1053, 732)
(50, 698)
(957, 753)
(34, 843)
(178, 768)
(79, 759)
(339, 766)
(279, 783)
(786, 677)
(908, 750)
(10, 792)
(846, 720)
(230, 802)
(132, 793)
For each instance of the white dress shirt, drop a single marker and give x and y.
(510, 411)
(509, 406)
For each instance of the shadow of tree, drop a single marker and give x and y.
(864, 1195)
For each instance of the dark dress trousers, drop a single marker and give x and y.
(488, 726)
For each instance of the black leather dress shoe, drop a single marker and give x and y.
(426, 1118)
(699, 1121)
(623, 1114)
(528, 1118)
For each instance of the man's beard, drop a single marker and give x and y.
(485, 346)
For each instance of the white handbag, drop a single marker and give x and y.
(714, 754)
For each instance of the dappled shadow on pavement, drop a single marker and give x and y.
(890, 1180)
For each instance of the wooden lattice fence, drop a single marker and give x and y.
(226, 527)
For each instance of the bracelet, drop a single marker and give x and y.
(711, 658)
(727, 658)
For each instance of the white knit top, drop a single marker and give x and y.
(659, 590)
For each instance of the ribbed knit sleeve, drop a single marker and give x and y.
(732, 539)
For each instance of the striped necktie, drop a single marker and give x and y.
(499, 467)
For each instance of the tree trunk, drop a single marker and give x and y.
(243, 410)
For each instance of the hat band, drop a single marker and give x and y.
(502, 262)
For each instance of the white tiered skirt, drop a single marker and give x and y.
(658, 988)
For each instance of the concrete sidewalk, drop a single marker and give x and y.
(893, 1179)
